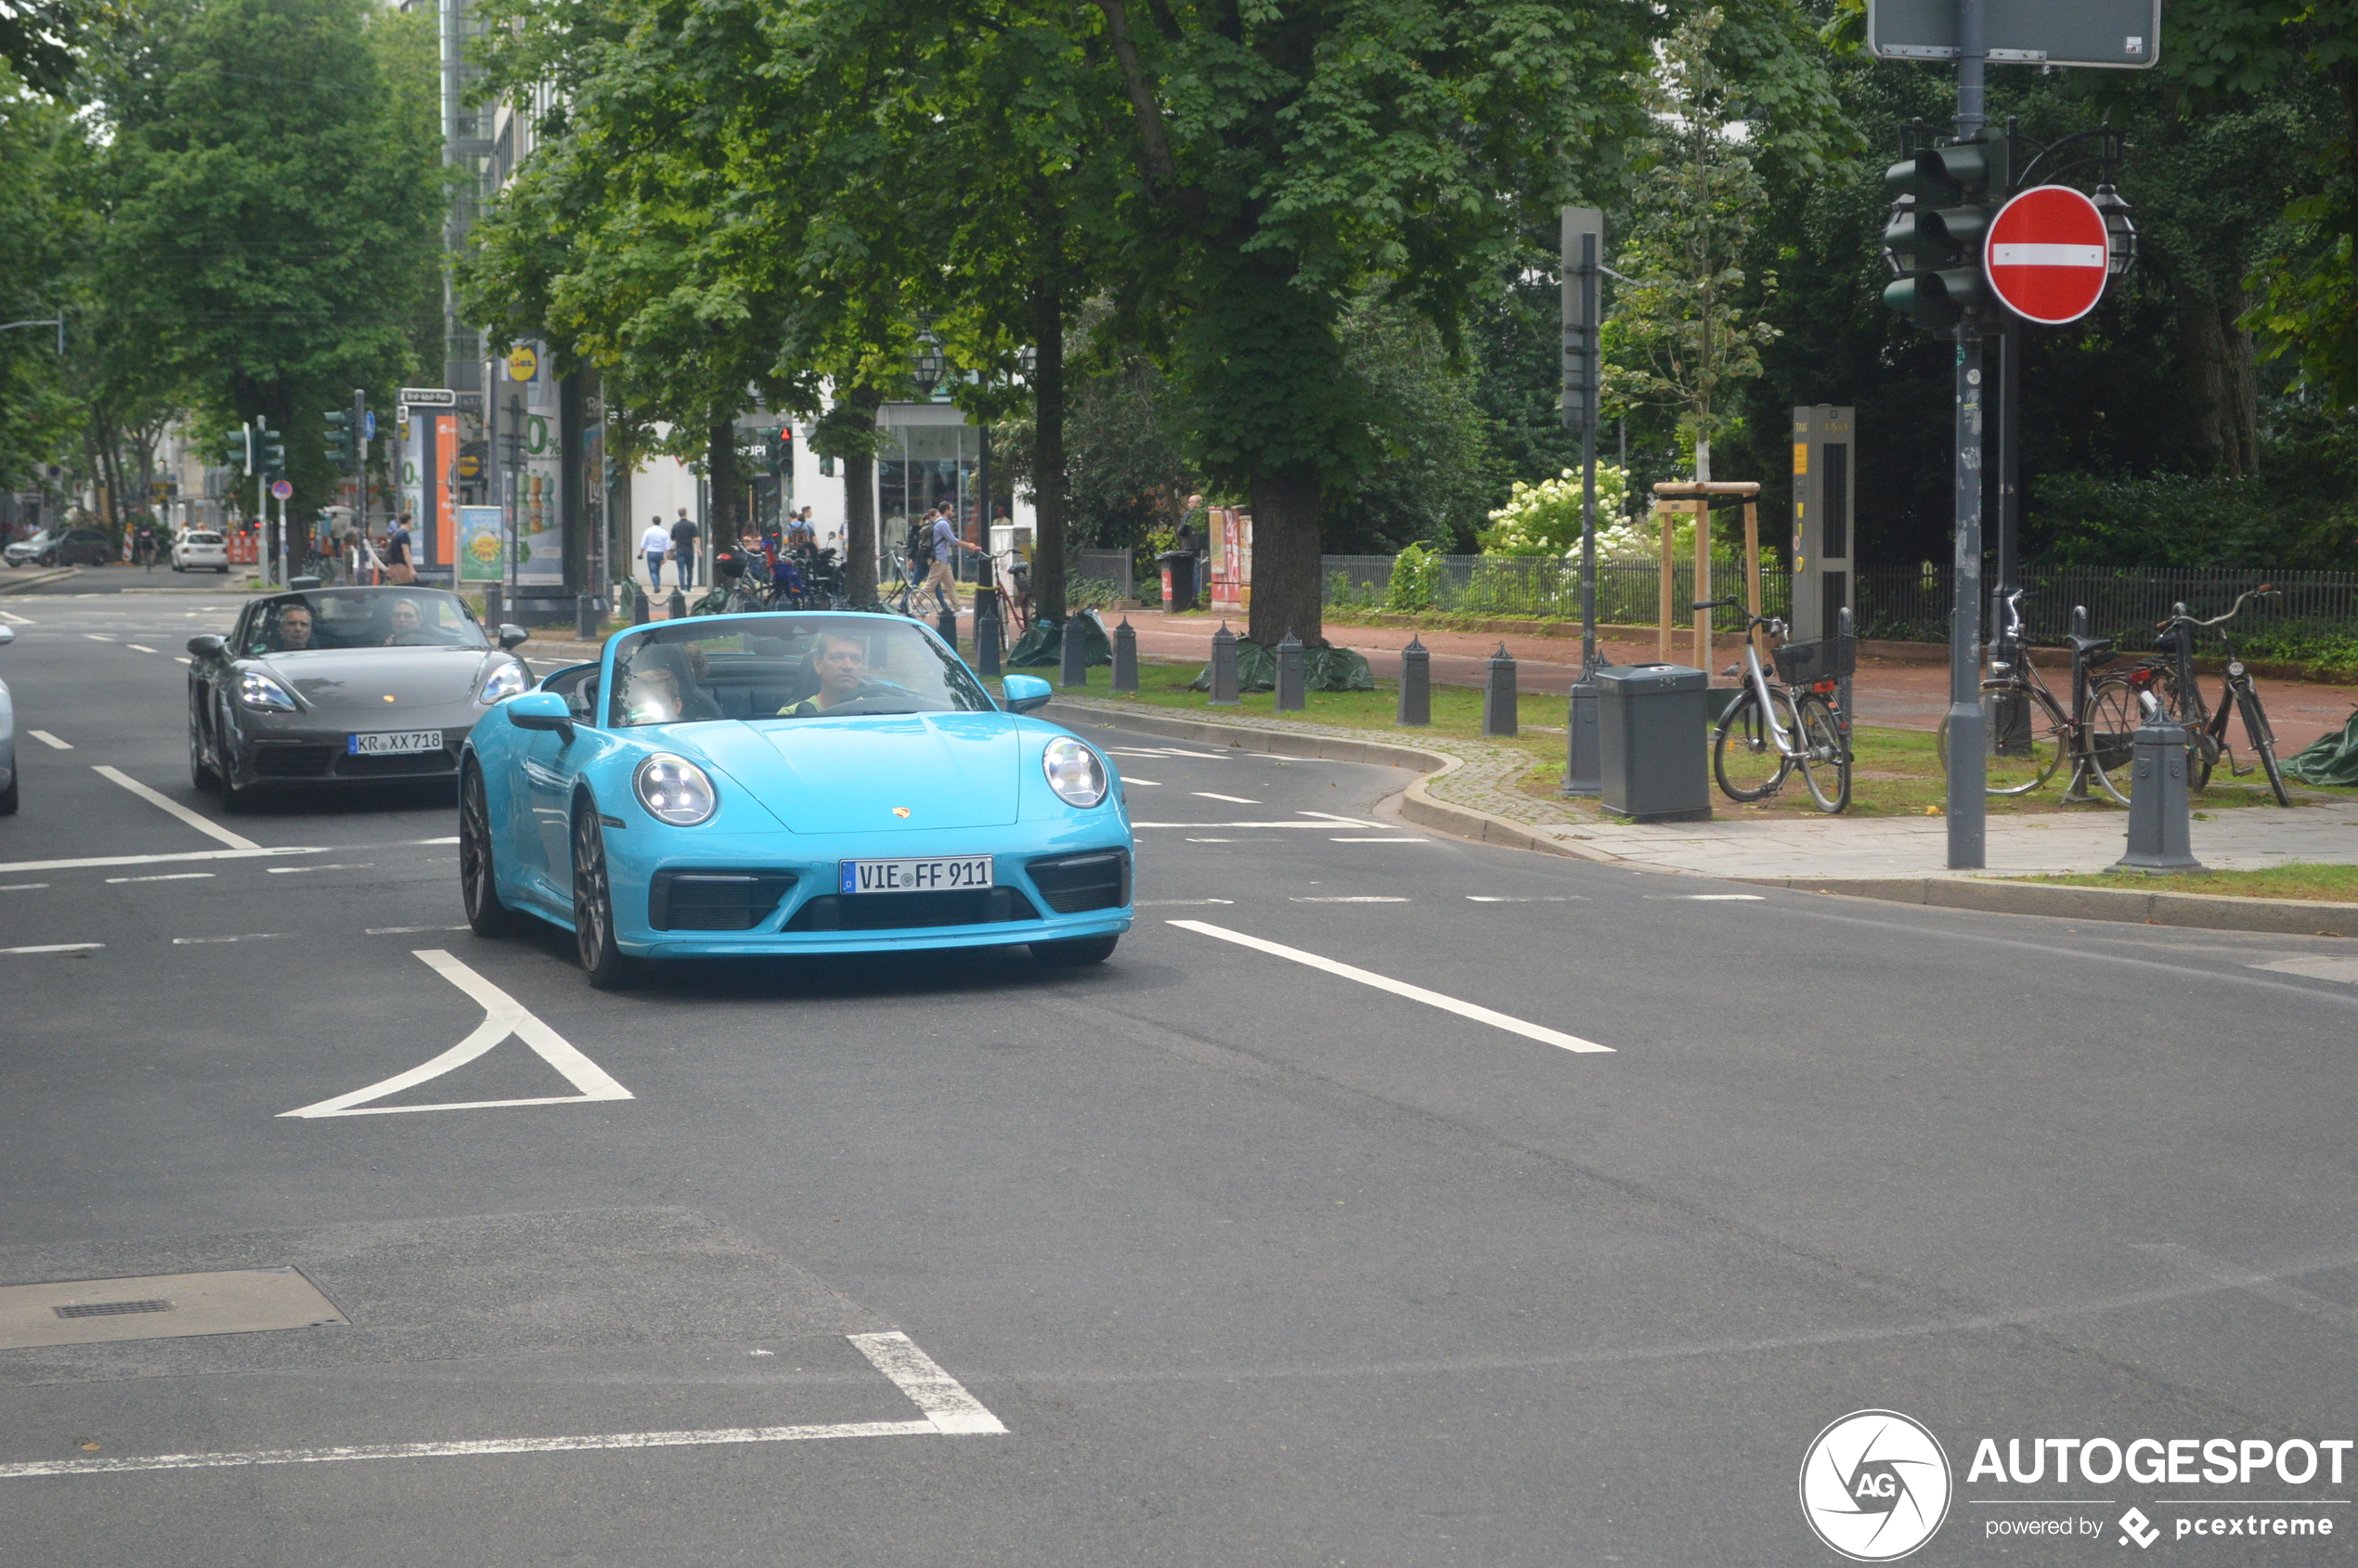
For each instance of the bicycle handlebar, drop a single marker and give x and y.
(2266, 590)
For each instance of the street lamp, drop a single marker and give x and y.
(931, 365)
(2120, 234)
(1026, 360)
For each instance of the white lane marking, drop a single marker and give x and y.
(20, 620)
(1164, 751)
(1211, 841)
(1379, 840)
(1317, 824)
(138, 647)
(2317, 968)
(249, 937)
(45, 738)
(165, 803)
(2265, 1287)
(503, 1016)
(181, 658)
(21, 887)
(945, 1401)
(1398, 987)
(1540, 898)
(950, 1411)
(1133, 779)
(1347, 822)
(56, 947)
(165, 876)
(406, 930)
(1142, 903)
(91, 635)
(1231, 799)
(291, 870)
(452, 839)
(1711, 898)
(1356, 898)
(94, 860)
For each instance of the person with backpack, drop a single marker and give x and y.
(683, 550)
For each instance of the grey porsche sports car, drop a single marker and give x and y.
(343, 685)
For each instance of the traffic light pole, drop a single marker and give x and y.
(1968, 745)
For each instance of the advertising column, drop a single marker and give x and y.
(540, 522)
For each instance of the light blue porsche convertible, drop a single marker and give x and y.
(733, 785)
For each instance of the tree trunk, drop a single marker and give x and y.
(1287, 511)
(859, 499)
(720, 468)
(2222, 394)
(1702, 457)
(1049, 449)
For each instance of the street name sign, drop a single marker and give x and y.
(2119, 35)
(2046, 253)
(427, 397)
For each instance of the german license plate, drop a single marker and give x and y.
(933, 874)
(394, 742)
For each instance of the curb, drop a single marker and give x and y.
(2301, 917)
(58, 575)
(2208, 911)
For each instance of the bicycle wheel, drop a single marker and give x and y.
(1745, 755)
(2022, 754)
(2185, 708)
(2263, 739)
(1825, 756)
(2114, 714)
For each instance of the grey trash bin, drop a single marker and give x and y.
(1653, 744)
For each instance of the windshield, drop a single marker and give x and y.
(788, 666)
(363, 617)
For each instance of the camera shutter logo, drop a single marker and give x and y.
(1875, 1486)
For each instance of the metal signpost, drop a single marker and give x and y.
(1584, 239)
(2117, 35)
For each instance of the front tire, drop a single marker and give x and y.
(1075, 953)
(201, 770)
(478, 880)
(601, 962)
(1745, 755)
(1825, 759)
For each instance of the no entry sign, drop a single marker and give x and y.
(2046, 254)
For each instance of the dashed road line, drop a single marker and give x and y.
(406, 930)
(166, 804)
(1133, 779)
(1536, 899)
(91, 861)
(1231, 799)
(1511, 1024)
(45, 738)
(292, 870)
(165, 876)
(1353, 899)
(1142, 903)
(21, 887)
(249, 937)
(1388, 840)
(138, 647)
(56, 947)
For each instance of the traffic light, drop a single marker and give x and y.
(338, 439)
(273, 447)
(236, 450)
(1943, 200)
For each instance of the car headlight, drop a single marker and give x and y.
(1074, 772)
(505, 682)
(675, 790)
(257, 690)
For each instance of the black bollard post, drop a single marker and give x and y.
(1290, 697)
(987, 632)
(495, 609)
(639, 607)
(1125, 657)
(1498, 698)
(675, 608)
(946, 623)
(1584, 762)
(1074, 669)
(1224, 668)
(1416, 685)
(588, 611)
(2160, 811)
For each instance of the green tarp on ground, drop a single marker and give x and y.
(1323, 669)
(2328, 759)
(1043, 645)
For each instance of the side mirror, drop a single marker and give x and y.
(208, 646)
(545, 710)
(1024, 692)
(514, 637)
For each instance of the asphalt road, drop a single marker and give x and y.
(1254, 1261)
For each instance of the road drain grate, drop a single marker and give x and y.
(108, 1309)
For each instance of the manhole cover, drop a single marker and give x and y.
(161, 1306)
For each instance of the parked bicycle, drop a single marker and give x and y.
(1771, 729)
(2168, 684)
(2029, 734)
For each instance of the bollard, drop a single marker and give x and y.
(1224, 668)
(1125, 657)
(986, 632)
(1074, 669)
(1584, 763)
(2160, 811)
(1416, 685)
(946, 623)
(589, 612)
(494, 609)
(640, 610)
(1498, 697)
(1291, 698)
(675, 608)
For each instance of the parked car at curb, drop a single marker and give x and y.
(341, 686)
(71, 546)
(781, 783)
(200, 549)
(22, 552)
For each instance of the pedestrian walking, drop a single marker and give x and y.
(683, 550)
(398, 566)
(946, 544)
(652, 544)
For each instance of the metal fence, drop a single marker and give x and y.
(1627, 591)
(1112, 566)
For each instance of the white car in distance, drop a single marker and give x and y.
(200, 548)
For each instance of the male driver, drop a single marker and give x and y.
(294, 629)
(406, 620)
(842, 665)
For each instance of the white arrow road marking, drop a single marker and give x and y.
(165, 803)
(949, 1409)
(503, 1016)
(1398, 987)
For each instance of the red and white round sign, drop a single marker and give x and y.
(2046, 254)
